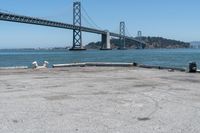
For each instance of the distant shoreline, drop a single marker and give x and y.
(35, 49)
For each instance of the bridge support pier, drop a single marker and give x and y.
(105, 41)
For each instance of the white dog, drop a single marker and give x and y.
(36, 66)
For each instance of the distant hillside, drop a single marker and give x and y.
(151, 42)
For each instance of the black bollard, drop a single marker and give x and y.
(135, 64)
(192, 67)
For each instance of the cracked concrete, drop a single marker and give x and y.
(99, 99)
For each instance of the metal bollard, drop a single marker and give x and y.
(192, 67)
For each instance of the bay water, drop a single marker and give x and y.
(158, 57)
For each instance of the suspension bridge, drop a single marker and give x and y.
(76, 27)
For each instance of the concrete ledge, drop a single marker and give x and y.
(106, 64)
(117, 64)
(160, 67)
(17, 67)
(69, 65)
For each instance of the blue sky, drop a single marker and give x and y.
(173, 19)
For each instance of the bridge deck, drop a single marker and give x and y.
(43, 22)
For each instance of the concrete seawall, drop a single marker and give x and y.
(100, 64)
(111, 64)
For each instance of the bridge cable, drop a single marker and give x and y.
(6, 11)
(127, 31)
(91, 20)
(87, 22)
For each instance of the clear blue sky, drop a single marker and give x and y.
(174, 19)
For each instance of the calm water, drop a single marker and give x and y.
(161, 57)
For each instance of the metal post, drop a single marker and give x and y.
(122, 36)
(77, 33)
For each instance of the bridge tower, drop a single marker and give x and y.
(139, 36)
(77, 33)
(122, 41)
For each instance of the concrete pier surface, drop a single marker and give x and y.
(99, 100)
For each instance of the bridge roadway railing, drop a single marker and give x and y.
(37, 21)
(43, 22)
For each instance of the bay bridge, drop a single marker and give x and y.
(76, 27)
